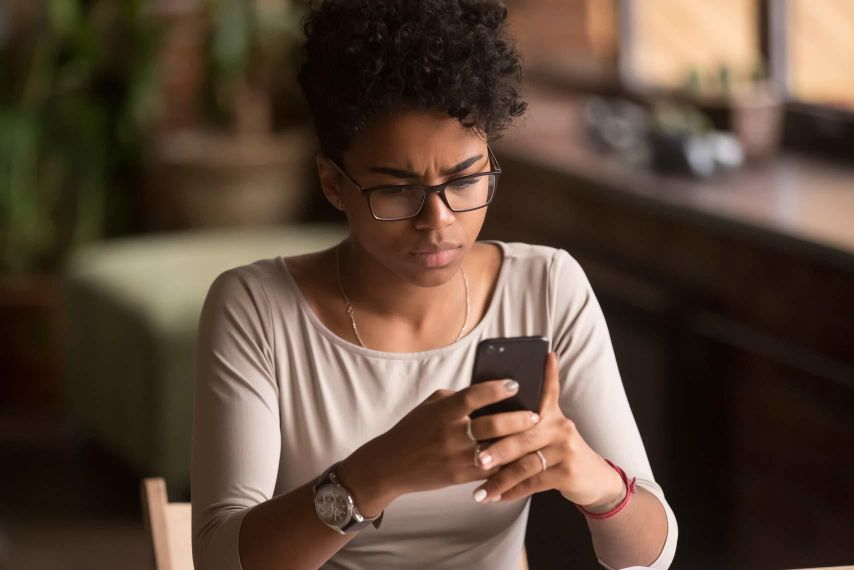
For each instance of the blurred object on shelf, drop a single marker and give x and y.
(669, 137)
(618, 125)
(684, 140)
(755, 119)
(247, 161)
(750, 107)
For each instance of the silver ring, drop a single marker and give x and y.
(542, 459)
(476, 453)
(469, 433)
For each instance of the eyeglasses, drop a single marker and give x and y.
(403, 201)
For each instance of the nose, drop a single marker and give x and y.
(434, 214)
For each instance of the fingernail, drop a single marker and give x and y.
(511, 385)
(480, 495)
(494, 499)
(485, 459)
(535, 418)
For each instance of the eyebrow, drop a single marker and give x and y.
(407, 175)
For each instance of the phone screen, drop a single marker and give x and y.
(521, 358)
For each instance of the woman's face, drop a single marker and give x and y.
(413, 147)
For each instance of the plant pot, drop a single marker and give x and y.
(209, 179)
(755, 118)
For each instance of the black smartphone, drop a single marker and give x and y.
(521, 358)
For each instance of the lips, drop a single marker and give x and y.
(437, 257)
(436, 248)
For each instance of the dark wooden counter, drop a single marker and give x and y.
(731, 306)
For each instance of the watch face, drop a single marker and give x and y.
(333, 505)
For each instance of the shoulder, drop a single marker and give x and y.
(518, 250)
(246, 286)
(552, 271)
(549, 263)
(250, 275)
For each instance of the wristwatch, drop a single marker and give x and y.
(335, 506)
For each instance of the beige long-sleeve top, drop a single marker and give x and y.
(279, 397)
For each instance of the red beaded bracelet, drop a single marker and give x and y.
(630, 488)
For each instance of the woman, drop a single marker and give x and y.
(333, 389)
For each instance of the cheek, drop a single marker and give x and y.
(472, 222)
(381, 239)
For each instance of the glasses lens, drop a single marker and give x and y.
(396, 202)
(470, 192)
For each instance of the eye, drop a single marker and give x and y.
(463, 183)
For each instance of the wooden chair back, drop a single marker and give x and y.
(169, 527)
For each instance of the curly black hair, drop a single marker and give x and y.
(364, 59)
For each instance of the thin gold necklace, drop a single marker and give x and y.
(350, 305)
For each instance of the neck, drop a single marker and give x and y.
(374, 289)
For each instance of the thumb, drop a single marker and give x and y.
(551, 384)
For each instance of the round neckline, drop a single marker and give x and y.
(422, 354)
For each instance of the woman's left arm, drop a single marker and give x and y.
(634, 536)
(585, 418)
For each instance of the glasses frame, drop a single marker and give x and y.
(437, 189)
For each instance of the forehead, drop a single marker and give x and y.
(419, 140)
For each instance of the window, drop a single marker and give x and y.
(676, 44)
(819, 41)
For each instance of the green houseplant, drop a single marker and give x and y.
(76, 87)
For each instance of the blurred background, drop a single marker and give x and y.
(697, 158)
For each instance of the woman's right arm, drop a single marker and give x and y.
(236, 446)
(285, 532)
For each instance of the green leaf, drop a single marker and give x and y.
(63, 16)
(232, 36)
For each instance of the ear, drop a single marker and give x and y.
(330, 181)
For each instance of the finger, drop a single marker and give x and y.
(530, 486)
(551, 385)
(502, 424)
(439, 395)
(510, 448)
(476, 473)
(527, 467)
(479, 395)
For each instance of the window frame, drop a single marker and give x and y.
(810, 127)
